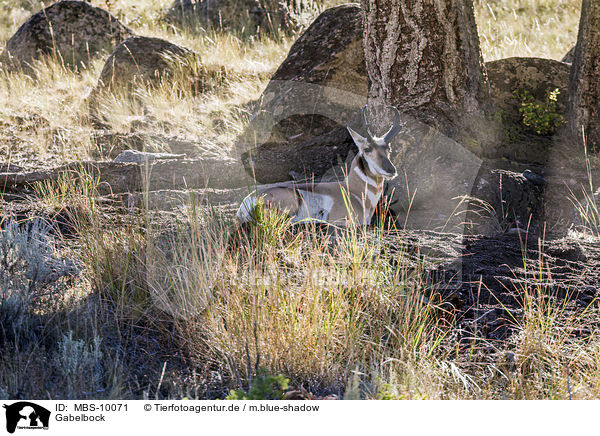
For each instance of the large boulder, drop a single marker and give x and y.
(314, 92)
(73, 31)
(269, 15)
(141, 61)
(329, 53)
(131, 175)
(537, 76)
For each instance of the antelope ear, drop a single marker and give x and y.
(360, 141)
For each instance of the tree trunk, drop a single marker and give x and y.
(423, 56)
(584, 83)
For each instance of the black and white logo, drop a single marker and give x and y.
(26, 415)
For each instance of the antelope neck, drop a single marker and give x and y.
(365, 186)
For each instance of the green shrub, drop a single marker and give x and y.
(389, 392)
(264, 387)
(541, 117)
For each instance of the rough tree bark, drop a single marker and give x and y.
(423, 56)
(584, 83)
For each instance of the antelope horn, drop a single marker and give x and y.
(396, 127)
(365, 123)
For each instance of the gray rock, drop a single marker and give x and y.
(535, 75)
(329, 53)
(317, 89)
(73, 31)
(175, 199)
(141, 157)
(512, 201)
(268, 15)
(142, 60)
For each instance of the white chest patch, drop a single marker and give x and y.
(373, 197)
(364, 177)
(313, 207)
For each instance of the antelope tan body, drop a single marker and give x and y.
(352, 200)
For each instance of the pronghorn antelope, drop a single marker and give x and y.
(352, 200)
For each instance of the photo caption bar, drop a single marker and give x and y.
(295, 417)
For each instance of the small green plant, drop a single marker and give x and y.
(389, 392)
(264, 387)
(269, 225)
(542, 117)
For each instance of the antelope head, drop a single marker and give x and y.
(375, 150)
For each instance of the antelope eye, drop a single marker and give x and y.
(369, 149)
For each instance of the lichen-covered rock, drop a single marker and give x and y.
(314, 92)
(535, 75)
(73, 31)
(143, 60)
(118, 177)
(322, 85)
(144, 157)
(512, 200)
(251, 15)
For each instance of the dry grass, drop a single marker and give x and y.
(531, 28)
(349, 318)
